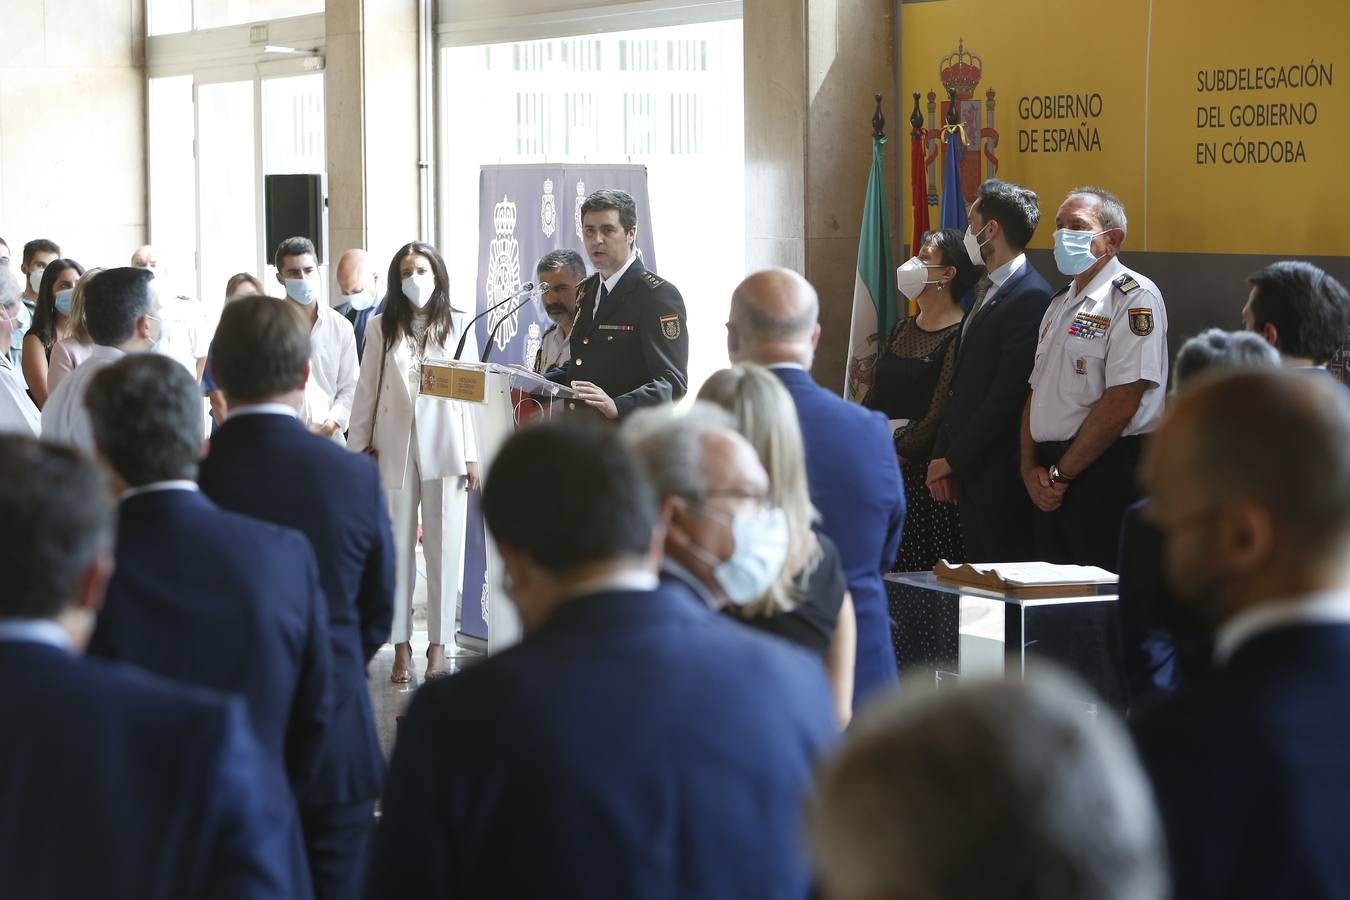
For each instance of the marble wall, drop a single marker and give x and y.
(72, 126)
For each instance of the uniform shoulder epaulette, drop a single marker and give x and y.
(1061, 292)
(653, 279)
(1126, 284)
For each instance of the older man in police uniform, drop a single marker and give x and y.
(630, 347)
(1097, 386)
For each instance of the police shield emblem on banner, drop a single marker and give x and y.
(504, 272)
(548, 213)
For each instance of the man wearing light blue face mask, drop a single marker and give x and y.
(17, 412)
(1097, 387)
(333, 365)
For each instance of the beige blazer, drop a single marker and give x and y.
(445, 434)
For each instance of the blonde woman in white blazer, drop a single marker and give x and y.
(426, 447)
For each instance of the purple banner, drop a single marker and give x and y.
(523, 213)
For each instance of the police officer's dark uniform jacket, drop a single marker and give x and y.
(637, 350)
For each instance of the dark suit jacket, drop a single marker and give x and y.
(637, 745)
(117, 784)
(981, 427)
(220, 600)
(1250, 769)
(637, 351)
(855, 483)
(272, 468)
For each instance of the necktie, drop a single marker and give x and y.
(604, 292)
(981, 291)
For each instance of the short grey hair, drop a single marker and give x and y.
(996, 788)
(1109, 208)
(1218, 349)
(668, 444)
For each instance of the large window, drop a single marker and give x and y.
(667, 98)
(175, 16)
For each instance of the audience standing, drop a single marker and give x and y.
(426, 447)
(17, 412)
(850, 458)
(1300, 310)
(1096, 387)
(74, 345)
(264, 463)
(976, 456)
(50, 316)
(186, 335)
(996, 789)
(241, 284)
(117, 784)
(331, 386)
(205, 596)
(1250, 484)
(910, 385)
(360, 288)
(653, 748)
(808, 604)
(122, 314)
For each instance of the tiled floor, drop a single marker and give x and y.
(389, 699)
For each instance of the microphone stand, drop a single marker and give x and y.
(524, 289)
(487, 348)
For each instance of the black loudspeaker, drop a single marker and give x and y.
(294, 207)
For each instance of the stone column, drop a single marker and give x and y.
(811, 68)
(370, 93)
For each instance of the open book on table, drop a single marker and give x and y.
(1027, 579)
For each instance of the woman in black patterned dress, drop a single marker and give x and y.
(910, 383)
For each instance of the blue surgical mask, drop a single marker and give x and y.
(1073, 250)
(62, 299)
(17, 326)
(301, 290)
(759, 551)
(360, 300)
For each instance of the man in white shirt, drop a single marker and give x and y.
(333, 365)
(187, 337)
(123, 315)
(17, 412)
(1250, 484)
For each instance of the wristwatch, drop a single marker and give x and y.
(1058, 477)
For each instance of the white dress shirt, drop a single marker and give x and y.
(18, 415)
(35, 631)
(262, 409)
(173, 484)
(333, 368)
(186, 339)
(1004, 272)
(64, 418)
(613, 281)
(1329, 608)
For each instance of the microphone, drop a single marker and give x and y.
(487, 348)
(525, 288)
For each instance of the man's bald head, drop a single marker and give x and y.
(773, 319)
(145, 257)
(351, 271)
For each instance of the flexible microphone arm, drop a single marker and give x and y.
(487, 348)
(525, 288)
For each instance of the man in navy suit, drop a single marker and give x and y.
(977, 455)
(635, 744)
(850, 460)
(265, 464)
(206, 596)
(115, 783)
(1250, 486)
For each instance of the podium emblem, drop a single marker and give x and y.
(533, 341)
(548, 213)
(503, 273)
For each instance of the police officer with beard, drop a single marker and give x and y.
(560, 275)
(629, 345)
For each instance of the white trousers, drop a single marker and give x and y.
(444, 505)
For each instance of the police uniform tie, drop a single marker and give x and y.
(604, 292)
(981, 291)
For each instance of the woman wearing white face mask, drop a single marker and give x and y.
(50, 316)
(426, 446)
(910, 383)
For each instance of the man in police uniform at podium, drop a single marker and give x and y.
(1097, 387)
(630, 347)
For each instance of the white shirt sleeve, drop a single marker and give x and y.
(344, 390)
(1136, 343)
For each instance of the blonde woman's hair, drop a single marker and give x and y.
(76, 329)
(766, 416)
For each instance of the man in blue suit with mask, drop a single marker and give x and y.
(850, 459)
(115, 783)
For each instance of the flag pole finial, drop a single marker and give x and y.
(878, 120)
(916, 117)
(953, 107)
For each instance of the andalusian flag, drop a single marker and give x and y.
(874, 290)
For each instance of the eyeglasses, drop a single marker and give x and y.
(546, 289)
(759, 503)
